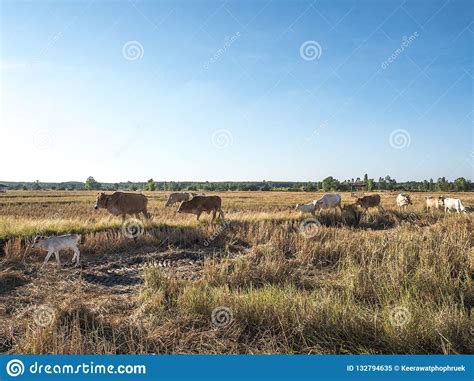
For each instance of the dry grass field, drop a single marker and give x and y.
(397, 282)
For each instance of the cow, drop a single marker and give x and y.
(178, 197)
(403, 200)
(306, 208)
(199, 204)
(122, 203)
(452, 204)
(434, 202)
(328, 201)
(372, 201)
(57, 243)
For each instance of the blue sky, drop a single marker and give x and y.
(236, 90)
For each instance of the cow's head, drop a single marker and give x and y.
(37, 241)
(441, 200)
(168, 202)
(297, 206)
(101, 201)
(359, 201)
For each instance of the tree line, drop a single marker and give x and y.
(326, 185)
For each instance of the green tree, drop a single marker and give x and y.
(370, 184)
(330, 183)
(150, 185)
(36, 185)
(461, 184)
(92, 184)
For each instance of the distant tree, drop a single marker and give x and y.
(370, 184)
(461, 185)
(366, 180)
(442, 184)
(116, 186)
(36, 185)
(150, 185)
(92, 184)
(330, 183)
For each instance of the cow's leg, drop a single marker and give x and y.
(77, 256)
(213, 215)
(56, 254)
(124, 216)
(50, 252)
(198, 215)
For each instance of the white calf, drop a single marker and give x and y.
(306, 208)
(56, 243)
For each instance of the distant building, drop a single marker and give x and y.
(357, 187)
(3, 188)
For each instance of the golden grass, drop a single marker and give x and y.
(396, 283)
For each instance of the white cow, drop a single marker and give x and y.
(403, 200)
(57, 243)
(452, 204)
(328, 201)
(306, 208)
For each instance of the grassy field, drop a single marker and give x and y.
(397, 282)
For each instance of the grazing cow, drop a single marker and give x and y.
(306, 208)
(329, 201)
(452, 204)
(434, 202)
(179, 197)
(403, 200)
(57, 243)
(372, 201)
(121, 204)
(200, 204)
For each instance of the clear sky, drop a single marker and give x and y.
(236, 90)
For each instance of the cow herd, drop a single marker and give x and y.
(134, 204)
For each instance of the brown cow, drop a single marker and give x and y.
(199, 204)
(372, 201)
(121, 204)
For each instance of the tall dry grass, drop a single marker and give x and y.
(395, 283)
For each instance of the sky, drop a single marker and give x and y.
(236, 90)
